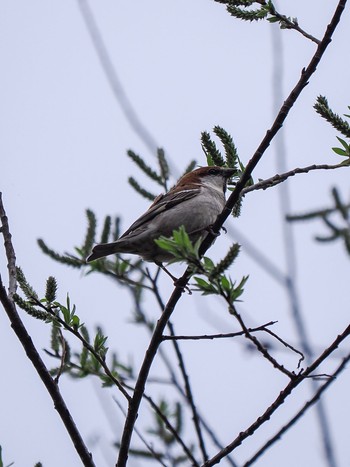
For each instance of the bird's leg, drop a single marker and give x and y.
(175, 279)
(211, 231)
(161, 266)
(216, 234)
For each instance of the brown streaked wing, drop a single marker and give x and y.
(162, 203)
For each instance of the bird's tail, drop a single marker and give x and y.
(101, 250)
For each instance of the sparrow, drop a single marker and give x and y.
(194, 202)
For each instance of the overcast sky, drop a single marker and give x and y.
(185, 66)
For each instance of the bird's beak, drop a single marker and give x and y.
(228, 172)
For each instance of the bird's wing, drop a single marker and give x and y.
(162, 203)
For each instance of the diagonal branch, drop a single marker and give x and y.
(145, 369)
(188, 389)
(27, 343)
(182, 282)
(301, 412)
(113, 78)
(278, 401)
(277, 125)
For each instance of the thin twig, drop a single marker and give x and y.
(276, 179)
(174, 379)
(218, 336)
(86, 344)
(278, 401)
(258, 344)
(288, 24)
(183, 281)
(10, 252)
(113, 79)
(27, 343)
(290, 256)
(63, 357)
(301, 412)
(188, 390)
(145, 368)
(154, 454)
(289, 346)
(189, 395)
(276, 126)
(172, 430)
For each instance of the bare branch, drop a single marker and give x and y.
(10, 252)
(182, 282)
(301, 412)
(188, 390)
(33, 355)
(219, 336)
(287, 23)
(276, 179)
(142, 438)
(279, 400)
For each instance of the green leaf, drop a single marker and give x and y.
(225, 284)
(163, 164)
(205, 287)
(142, 191)
(180, 246)
(26, 288)
(322, 107)
(90, 234)
(237, 292)
(343, 143)
(31, 310)
(75, 321)
(106, 230)
(213, 155)
(273, 19)
(144, 167)
(51, 289)
(64, 259)
(340, 152)
(229, 146)
(190, 166)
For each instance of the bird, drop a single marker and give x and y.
(194, 202)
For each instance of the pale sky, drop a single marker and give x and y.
(186, 66)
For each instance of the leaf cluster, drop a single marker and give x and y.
(115, 266)
(216, 281)
(322, 107)
(161, 175)
(230, 157)
(63, 317)
(31, 304)
(180, 246)
(242, 9)
(85, 363)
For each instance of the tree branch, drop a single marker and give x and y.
(33, 355)
(182, 282)
(10, 252)
(219, 336)
(301, 412)
(276, 179)
(279, 400)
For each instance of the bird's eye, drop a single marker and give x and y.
(213, 172)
